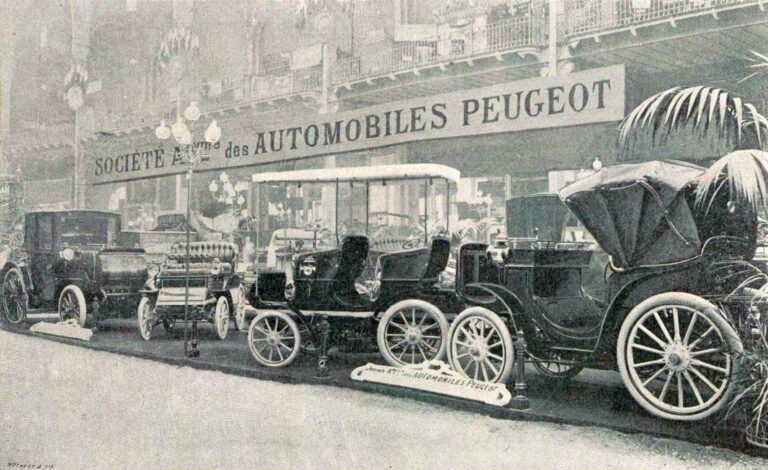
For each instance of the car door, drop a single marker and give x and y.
(43, 257)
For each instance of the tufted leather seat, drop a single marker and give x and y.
(201, 257)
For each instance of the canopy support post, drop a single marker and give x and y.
(367, 206)
(448, 208)
(336, 214)
(426, 199)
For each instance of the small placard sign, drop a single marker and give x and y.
(434, 377)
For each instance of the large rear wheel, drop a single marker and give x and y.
(480, 346)
(675, 355)
(239, 309)
(411, 332)
(15, 298)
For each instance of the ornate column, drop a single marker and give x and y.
(7, 44)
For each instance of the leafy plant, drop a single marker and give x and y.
(700, 108)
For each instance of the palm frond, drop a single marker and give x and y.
(700, 108)
(743, 172)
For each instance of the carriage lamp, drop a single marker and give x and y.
(153, 270)
(67, 254)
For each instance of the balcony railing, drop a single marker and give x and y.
(63, 133)
(508, 34)
(591, 16)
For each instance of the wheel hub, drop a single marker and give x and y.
(478, 351)
(677, 357)
(413, 335)
(273, 339)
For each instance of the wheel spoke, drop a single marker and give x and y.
(662, 326)
(490, 364)
(261, 330)
(398, 335)
(477, 367)
(398, 326)
(665, 387)
(652, 336)
(485, 373)
(402, 341)
(496, 356)
(680, 398)
(704, 379)
(497, 343)
(653, 377)
(421, 351)
(690, 328)
(649, 363)
(279, 354)
(705, 351)
(707, 365)
(462, 355)
(694, 387)
(421, 322)
(427, 328)
(405, 321)
(700, 338)
(281, 344)
(463, 344)
(676, 320)
(424, 343)
(646, 348)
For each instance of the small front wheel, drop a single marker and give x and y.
(144, 318)
(221, 317)
(239, 309)
(274, 339)
(480, 346)
(72, 305)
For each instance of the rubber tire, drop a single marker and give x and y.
(291, 325)
(381, 330)
(221, 318)
(20, 275)
(239, 310)
(145, 304)
(80, 299)
(704, 308)
(499, 324)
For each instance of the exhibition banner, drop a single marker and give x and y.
(592, 96)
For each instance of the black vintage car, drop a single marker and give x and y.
(401, 304)
(681, 297)
(72, 261)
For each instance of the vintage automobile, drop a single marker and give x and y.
(72, 260)
(347, 295)
(215, 291)
(679, 305)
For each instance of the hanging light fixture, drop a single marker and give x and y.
(162, 131)
(192, 113)
(213, 133)
(179, 129)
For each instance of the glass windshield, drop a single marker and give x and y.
(87, 230)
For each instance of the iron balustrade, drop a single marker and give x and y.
(593, 16)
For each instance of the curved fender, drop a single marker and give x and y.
(24, 272)
(511, 303)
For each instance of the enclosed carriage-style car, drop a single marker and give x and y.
(73, 260)
(215, 289)
(677, 307)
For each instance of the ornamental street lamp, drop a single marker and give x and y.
(183, 136)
